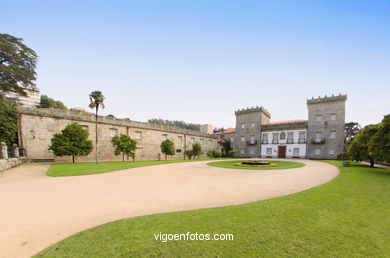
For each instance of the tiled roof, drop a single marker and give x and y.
(226, 131)
(287, 122)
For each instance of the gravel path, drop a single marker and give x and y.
(37, 211)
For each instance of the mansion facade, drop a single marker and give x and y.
(319, 137)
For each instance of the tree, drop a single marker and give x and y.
(167, 147)
(8, 121)
(123, 144)
(379, 145)
(227, 146)
(17, 65)
(72, 141)
(96, 99)
(196, 149)
(351, 129)
(359, 147)
(47, 102)
(180, 124)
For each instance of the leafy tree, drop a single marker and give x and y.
(359, 148)
(196, 149)
(72, 141)
(167, 147)
(227, 145)
(47, 102)
(96, 99)
(351, 129)
(8, 121)
(189, 154)
(180, 124)
(17, 64)
(123, 144)
(379, 145)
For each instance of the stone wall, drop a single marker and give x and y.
(9, 163)
(37, 127)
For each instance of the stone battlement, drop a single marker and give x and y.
(253, 110)
(89, 117)
(327, 99)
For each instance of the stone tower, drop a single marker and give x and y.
(248, 130)
(326, 122)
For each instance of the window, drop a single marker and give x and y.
(180, 138)
(113, 132)
(202, 141)
(251, 151)
(269, 151)
(333, 117)
(282, 135)
(275, 138)
(85, 127)
(242, 151)
(253, 124)
(243, 125)
(138, 135)
(290, 137)
(232, 139)
(210, 142)
(178, 150)
(242, 138)
(302, 136)
(165, 137)
(333, 134)
(253, 140)
(265, 138)
(331, 152)
(318, 118)
(318, 135)
(192, 140)
(317, 151)
(296, 151)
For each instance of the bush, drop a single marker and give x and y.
(214, 154)
(343, 156)
(189, 153)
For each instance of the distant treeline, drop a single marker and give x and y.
(180, 124)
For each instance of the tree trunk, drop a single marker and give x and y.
(123, 157)
(96, 133)
(73, 159)
(165, 156)
(371, 163)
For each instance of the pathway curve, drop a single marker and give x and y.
(37, 211)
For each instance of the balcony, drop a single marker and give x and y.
(290, 141)
(301, 140)
(251, 142)
(275, 141)
(320, 140)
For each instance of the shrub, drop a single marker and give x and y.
(214, 154)
(343, 156)
(189, 153)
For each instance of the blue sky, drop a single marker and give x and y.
(198, 61)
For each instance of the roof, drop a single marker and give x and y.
(287, 122)
(226, 131)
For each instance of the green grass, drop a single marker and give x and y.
(347, 217)
(88, 168)
(280, 165)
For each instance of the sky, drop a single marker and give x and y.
(199, 61)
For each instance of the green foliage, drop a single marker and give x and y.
(214, 154)
(17, 64)
(180, 124)
(47, 102)
(227, 146)
(72, 141)
(8, 121)
(379, 144)
(196, 149)
(168, 148)
(232, 152)
(343, 156)
(359, 147)
(351, 129)
(189, 154)
(96, 100)
(124, 145)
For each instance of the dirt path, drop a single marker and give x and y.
(37, 211)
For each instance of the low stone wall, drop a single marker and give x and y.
(10, 163)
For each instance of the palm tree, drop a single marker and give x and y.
(96, 100)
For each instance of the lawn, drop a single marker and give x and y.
(347, 217)
(88, 168)
(280, 164)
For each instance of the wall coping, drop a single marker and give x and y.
(88, 117)
(327, 99)
(284, 126)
